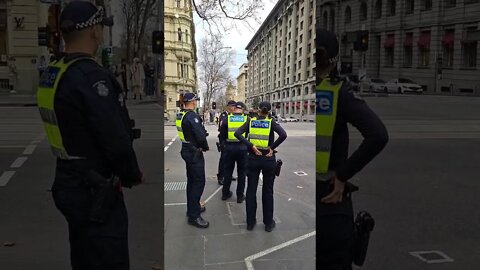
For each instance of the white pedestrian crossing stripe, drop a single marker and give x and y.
(175, 186)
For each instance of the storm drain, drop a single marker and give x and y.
(175, 186)
(433, 256)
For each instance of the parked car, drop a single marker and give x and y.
(288, 119)
(374, 85)
(402, 85)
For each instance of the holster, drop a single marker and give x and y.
(104, 195)
(278, 167)
(364, 224)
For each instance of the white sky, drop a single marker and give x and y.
(237, 38)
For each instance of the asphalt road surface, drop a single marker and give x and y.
(28, 217)
(226, 244)
(423, 189)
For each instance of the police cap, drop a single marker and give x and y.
(231, 103)
(241, 105)
(265, 105)
(190, 97)
(78, 15)
(329, 41)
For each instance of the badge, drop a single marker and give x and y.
(102, 89)
(196, 120)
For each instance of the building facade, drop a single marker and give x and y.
(281, 60)
(19, 22)
(180, 53)
(242, 83)
(231, 92)
(434, 43)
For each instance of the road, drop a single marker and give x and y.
(226, 244)
(423, 189)
(28, 217)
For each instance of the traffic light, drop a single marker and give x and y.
(43, 36)
(214, 105)
(361, 43)
(157, 42)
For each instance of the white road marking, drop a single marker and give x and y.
(18, 162)
(174, 138)
(5, 177)
(211, 196)
(249, 259)
(443, 258)
(170, 143)
(175, 204)
(300, 173)
(165, 149)
(29, 150)
(299, 187)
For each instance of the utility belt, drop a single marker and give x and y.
(363, 223)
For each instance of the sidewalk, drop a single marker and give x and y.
(18, 100)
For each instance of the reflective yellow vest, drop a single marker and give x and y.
(326, 115)
(46, 98)
(178, 123)
(260, 132)
(234, 123)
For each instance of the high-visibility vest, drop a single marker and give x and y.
(46, 98)
(234, 123)
(260, 132)
(326, 116)
(178, 123)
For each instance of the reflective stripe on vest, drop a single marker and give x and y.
(326, 116)
(178, 124)
(46, 98)
(234, 123)
(260, 132)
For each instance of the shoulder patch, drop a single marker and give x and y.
(196, 120)
(102, 89)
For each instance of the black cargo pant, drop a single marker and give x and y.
(221, 165)
(335, 231)
(195, 164)
(93, 246)
(267, 167)
(235, 153)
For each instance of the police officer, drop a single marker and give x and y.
(261, 144)
(90, 133)
(221, 162)
(193, 135)
(337, 105)
(235, 152)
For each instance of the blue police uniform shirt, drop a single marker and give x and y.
(93, 119)
(194, 131)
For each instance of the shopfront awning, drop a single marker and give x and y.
(424, 40)
(389, 42)
(448, 39)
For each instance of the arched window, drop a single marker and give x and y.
(410, 6)
(348, 15)
(378, 9)
(391, 7)
(363, 11)
(332, 21)
(325, 20)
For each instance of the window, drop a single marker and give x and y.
(308, 61)
(289, 47)
(448, 42)
(363, 11)
(378, 9)
(424, 49)
(408, 51)
(178, 3)
(186, 36)
(348, 15)
(426, 4)
(299, 64)
(301, 25)
(389, 46)
(310, 20)
(325, 19)
(391, 7)
(301, 38)
(469, 52)
(309, 34)
(179, 34)
(332, 21)
(289, 35)
(409, 6)
(450, 3)
(301, 11)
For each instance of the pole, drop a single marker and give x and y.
(157, 63)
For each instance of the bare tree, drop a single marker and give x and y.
(213, 68)
(136, 16)
(222, 15)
